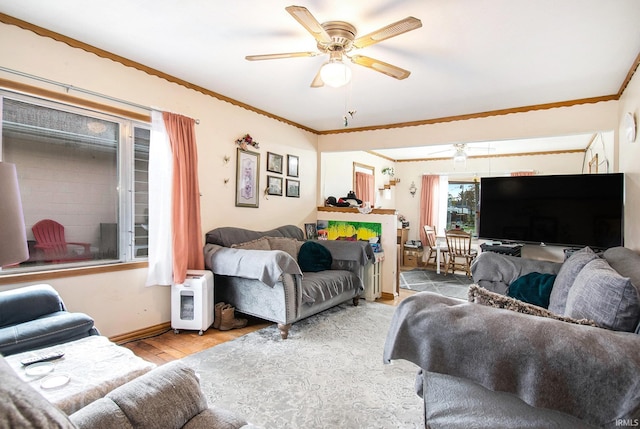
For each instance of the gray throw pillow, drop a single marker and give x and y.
(566, 276)
(601, 294)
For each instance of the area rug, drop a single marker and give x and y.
(422, 280)
(327, 374)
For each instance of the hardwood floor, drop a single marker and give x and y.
(169, 346)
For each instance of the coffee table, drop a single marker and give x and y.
(91, 368)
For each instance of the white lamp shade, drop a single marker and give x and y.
(335, 74)
(13, 236)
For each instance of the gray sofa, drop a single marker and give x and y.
(34, 317)
(524, 366)
(258, 273)
(167, 397)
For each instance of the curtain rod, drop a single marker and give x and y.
(68, 88)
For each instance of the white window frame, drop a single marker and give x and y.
(125, 183)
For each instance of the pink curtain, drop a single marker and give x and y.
(365, 187)
(429, 196)
(187, 236)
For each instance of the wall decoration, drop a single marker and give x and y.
(293, 188)
(347, 230)
(247, 140)
(311, 231)
(274, 185)
(274, 163)
(292, 165)
(247, 178)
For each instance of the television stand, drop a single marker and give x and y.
(504, 249)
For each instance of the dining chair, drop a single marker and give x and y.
(434, 247)
(460, 253)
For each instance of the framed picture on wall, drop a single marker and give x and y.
(274, 163)
(292, 165)
(247, 178)
(311, 231)
(274, 185)
(293, 188)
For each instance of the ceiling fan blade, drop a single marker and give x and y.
(309, 22)
(280, 56)
(381, 66)
(391, 30)
(317, 80)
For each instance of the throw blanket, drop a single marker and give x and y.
(588, 372)
(344, 250)
(496, 272)
(264, 265)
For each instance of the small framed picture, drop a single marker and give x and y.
(311, 230)
(274, 185)
(247, 178)
(292, 165)
(274, 163)
(293, 188)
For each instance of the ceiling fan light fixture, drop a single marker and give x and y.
(461, 154)
(335, 73)
(460, 157)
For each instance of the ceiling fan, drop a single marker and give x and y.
(338, 39)
(460, 151)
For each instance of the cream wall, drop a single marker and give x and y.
(336, 179)
(585, 118)
(119, 302)
(630, 164)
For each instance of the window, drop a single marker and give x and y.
(85, 170)
(462, 203)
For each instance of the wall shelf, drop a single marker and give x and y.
(355, 210)
(392, 182)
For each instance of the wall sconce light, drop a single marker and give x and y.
(413, 189)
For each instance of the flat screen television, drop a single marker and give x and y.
(567, 210)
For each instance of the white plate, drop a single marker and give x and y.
(53, 381)
(39, 369)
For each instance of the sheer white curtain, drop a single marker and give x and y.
(160, 203)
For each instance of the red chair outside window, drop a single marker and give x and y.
(49, 236)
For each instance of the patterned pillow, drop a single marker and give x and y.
(480, 295)
(289, 245)
(601, 294)
(259, 244)
(566, 276)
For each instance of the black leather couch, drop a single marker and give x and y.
(34, 317)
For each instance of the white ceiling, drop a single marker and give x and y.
(468, 57)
